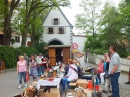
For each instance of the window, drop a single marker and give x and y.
(55, 21)
(61, 30)
(17, 39)
(50, 30)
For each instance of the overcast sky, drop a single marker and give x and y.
(71, 12)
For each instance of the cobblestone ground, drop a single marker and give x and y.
(124, 89)
(9, 84)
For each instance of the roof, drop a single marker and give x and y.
(61, 13)
(78, 54)
(53, 46)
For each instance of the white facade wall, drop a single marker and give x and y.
(80, 40)
(18, 44)
(55, 14)
(65, 38)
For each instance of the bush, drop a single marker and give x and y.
(10, 54)
(40, 47)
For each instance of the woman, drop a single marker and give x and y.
(33, 68)
(72, 74)
(21, 70)
(100, 67)
(106, 60)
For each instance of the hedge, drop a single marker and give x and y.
(10, 54)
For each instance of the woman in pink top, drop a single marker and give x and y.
(100, 67)
(21, 70)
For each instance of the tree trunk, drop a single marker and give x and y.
(8, 8)
(24, 36)
(33, 34)
(7, 30)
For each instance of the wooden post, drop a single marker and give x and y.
(2, 66)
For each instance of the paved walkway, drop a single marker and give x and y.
(9, 84)
(124, 89)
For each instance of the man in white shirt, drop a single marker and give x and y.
(40, 69)
(114, 71)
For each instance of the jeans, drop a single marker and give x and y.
(102, 77)
(42, 69)
(20, 74)
(114, 82)
(64, 81)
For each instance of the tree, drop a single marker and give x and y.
(89, 19)
(7, 8)
(31, 6)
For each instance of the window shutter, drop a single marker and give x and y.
(58, 21)
(52, 21)
(57, 30)
(64, 30)
(54, 31)
(47, 30)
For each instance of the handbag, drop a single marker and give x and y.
(27, 76)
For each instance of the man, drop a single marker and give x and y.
(26, 58)
(114, 71)
(40, 69)
(87, 52)
(128, 73)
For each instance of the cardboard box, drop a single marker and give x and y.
(42, 94)
(82, 83)
(54, 92)
(88, 92)
(74, 94)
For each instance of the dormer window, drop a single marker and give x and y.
(56, 21)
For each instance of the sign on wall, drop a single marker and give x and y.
(74, 46)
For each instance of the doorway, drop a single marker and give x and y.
(58, 54)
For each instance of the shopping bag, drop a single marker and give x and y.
(27, 76)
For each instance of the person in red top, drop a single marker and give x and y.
(100, 67)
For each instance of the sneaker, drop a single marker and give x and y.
(127, 83)
(26, 85)
(19, 87)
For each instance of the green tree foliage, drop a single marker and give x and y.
(10, 54)
(113, 20)
(40, 47)
(7, 8)
(89, 19)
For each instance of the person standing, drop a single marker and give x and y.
(61, 56)
(87, 52)
(33, 69)
(26, 58)
(114, 71)
(40, 68)
(21, 70)
(128, 73)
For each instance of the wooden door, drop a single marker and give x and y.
(52, 56)
(66, 54)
